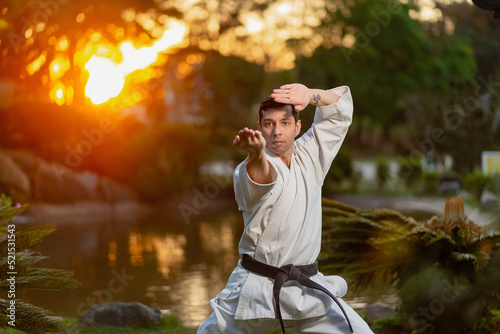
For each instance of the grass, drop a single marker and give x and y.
(170, 325)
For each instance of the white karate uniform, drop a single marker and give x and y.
(283, 226)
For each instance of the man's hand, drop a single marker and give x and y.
(253, 142)
(296, 94)
(300, 96)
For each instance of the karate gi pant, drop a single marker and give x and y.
(222, 322)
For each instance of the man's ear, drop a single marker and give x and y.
(258, 125)
(298, 125)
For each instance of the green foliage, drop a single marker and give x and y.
(14, 245)
(8, 211)
(481, 31)
(449, 262)
(383, 171)
(417, 59)
(430, 181)
(410, 170)
(461, 120)
(170, 158)
(490, 323)
(341, 168)
(494, 183)
(348, 228)
(29, 319)
(396, 321)
(475, 183)
(170, 324)
(235, 107)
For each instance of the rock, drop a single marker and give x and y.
(377, 311)
(119, 314)
(25, 177)
(112, 191)
(55, 183)
(27, 161)
(488, 200)
(13, 181)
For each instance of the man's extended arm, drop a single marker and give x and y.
(253, 142)
(300, 96)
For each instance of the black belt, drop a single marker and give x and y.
(289, 272)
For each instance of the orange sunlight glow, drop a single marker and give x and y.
(107, 78)
(35, 65)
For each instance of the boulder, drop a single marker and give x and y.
(25, 177)
(26, 160)
(13, 181)
(378, 311)
(119, 314)
(488, 200)
(55, 183)
(113, 192)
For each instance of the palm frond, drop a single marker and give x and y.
(7, 211)
(463, 257)
(35, 278)
(330, 203)
(26, 238)
(387, 216)
(492, 238)
(28, 318)
(23, 262)
(44, 281)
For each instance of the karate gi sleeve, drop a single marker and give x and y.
(324, 139)
(250, 194)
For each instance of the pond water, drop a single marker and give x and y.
(158, 260)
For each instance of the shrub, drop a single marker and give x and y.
(475, 183)
(430, 182)
(410, 169)
(383, 171)
(494, 184)
(341, 167)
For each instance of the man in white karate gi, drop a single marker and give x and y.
(278, 189)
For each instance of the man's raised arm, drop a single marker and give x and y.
(300, 96)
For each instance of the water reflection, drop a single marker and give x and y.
(169, 251)
(159, 261)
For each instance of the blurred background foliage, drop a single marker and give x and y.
(413, 67)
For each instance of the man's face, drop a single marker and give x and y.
(279, 129)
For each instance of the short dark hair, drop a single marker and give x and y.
(269, 103)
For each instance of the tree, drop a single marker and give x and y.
(482, 32)
(385, 56)
(17, 272)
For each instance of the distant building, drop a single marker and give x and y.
(491, 162)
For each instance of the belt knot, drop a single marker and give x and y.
(289, 272)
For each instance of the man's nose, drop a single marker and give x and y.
(277, 130)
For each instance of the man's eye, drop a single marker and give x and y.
(286, 123)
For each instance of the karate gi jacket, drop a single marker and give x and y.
(283, 222)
